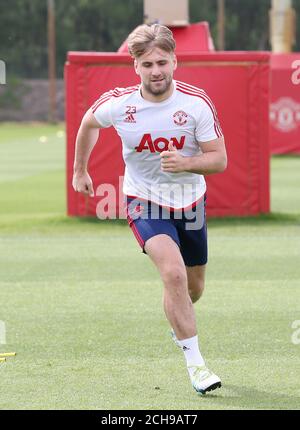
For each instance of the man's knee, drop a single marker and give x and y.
(174, 276)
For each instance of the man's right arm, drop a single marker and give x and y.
(87, 137)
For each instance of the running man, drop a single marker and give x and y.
(171, 138)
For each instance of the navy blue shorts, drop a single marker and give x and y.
(186, 227)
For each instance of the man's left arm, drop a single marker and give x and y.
(212, 159)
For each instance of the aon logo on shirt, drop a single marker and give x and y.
(158, 145)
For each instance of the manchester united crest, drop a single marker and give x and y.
(285, 114)
(180, 117)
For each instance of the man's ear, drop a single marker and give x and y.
(136, 67)
(175, 62)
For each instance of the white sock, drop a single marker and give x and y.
(191, 352)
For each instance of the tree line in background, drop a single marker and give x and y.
(102, 25)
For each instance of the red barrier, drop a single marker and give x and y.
(285, 104)
(238, 83)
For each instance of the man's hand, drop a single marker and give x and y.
(82, 183)
(172, 161)
(86, 139)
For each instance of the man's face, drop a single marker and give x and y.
(156, 68)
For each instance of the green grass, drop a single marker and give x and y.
(82, 305)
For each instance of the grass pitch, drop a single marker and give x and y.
(82, 306)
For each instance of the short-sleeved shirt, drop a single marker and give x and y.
(186, 118)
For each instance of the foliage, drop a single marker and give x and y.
(11, 94)
(247, 22)
(81, 25)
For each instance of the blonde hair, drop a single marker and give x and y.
(145, 37)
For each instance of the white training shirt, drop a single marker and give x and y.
(187, 117)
